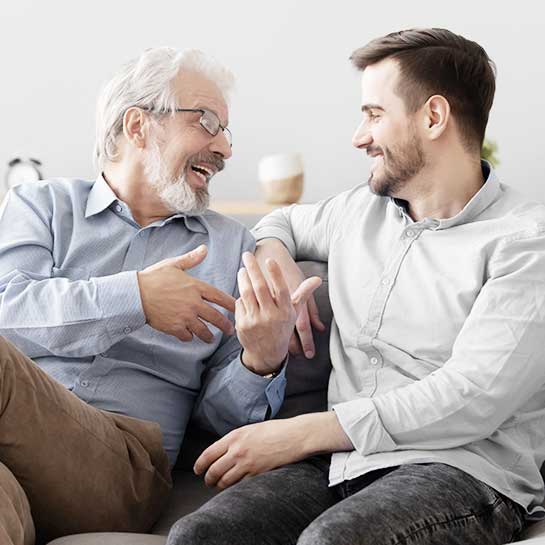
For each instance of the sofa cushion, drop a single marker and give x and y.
(188, 494)
(307, 380)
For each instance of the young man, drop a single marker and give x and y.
(437, 284)
(93, 288)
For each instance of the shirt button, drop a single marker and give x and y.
(410, 233)
(84, 383)
(373, 360)
(127, 330)
(118, 208)
(385, 281)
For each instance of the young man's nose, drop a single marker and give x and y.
(362, 137)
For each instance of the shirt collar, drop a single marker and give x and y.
(197, 224)
(102, 196)
(486, 195)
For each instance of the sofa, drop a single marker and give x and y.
(306, 392)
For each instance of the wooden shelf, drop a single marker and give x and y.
(243, 208)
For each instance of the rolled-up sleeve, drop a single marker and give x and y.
(306, 230)
(496, 365)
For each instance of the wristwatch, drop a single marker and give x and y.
(269, 375)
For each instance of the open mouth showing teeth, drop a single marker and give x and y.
(203, 170)
(204, 173)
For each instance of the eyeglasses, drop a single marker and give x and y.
(209, 121)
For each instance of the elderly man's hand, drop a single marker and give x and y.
(301, 340)
(265, 314)
(178, 304)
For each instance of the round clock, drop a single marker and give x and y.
(21, 171)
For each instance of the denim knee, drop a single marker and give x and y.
(191, 529)
(201, 528)
(323, 532)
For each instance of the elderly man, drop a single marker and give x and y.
(437, 284)
(125, 343)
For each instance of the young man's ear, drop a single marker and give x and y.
(134, 127)
(436, 116)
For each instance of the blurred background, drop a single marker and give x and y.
(296, 90)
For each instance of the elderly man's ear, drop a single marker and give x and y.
(136, 127)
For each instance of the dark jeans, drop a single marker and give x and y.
(410, 504)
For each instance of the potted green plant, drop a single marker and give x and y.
(489, 152)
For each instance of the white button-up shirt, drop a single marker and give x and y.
(438, 338)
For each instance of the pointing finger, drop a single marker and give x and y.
(259, 284)
(304, 291)
(215, 317)
(246, 290)
(279, 286)
(214, 295)
(190, 259)
(304, 330)
(314, 314)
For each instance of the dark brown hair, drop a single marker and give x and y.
(435, 61)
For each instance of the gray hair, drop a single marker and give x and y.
(147, 82)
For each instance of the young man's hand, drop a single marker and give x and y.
(257, 448)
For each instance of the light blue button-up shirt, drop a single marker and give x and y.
(69, 299)
(438, 337)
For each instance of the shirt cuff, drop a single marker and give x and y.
(360, 420)
(121, 304)
(267, 392)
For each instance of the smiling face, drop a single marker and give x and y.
(387, 132)
(181, 156)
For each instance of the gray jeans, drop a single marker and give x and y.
(432, 504)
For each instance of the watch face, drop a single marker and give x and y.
(21, 172)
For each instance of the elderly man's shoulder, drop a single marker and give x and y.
(219, 222)
(54, 188)
(226, 228)
(50, 196)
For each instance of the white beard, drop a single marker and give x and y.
(176, 193)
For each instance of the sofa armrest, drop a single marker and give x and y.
(307, 380)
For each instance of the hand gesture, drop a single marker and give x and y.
(176, 303)
(265, 315)
(301, 340)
